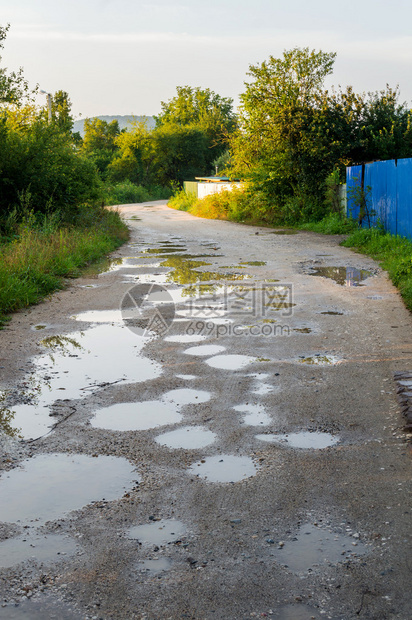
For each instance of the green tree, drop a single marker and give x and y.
(201, 110)
(99, 142)
(14, 89)
(134, 156)
(179, 153)
(61, 111)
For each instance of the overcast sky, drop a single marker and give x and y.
(126, 56)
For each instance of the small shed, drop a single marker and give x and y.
(203, 186)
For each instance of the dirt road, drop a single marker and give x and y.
(207, 427)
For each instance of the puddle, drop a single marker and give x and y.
(254, 415)
(224, 468)
(79, 364)
(315, 547)
(303, 439)
(254, 263)
(230, 362)
(105, 265)
(345, 276)
(154, 567)
(185, 338)
(40, 609)
(186, 396)
(320, 360)
(39, 327)
(295, 612)
(158, 532)
(303, 330)
(187, 377)
(48, 486)
(187, 438)
(99, 316)
(7, 418)
(140, 416)
(44, 548)
(204, 350)
(184, 271)
(166, 250)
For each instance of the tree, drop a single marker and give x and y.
(14, 89)
(61, 111)
(202, 110)
(99, 142)
(179, 153)
(134, 156)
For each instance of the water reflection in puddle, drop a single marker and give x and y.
(320, 360)
(204, 350)
(186, 396)
(48, 486)
(345, 276)
(224, 468)
(254, 415)
(187, 377)
(303, 439)
(154, 567)
(136, 416)
(187, 438)
(158, 532)
(230, 362)
(316, 547)
(80, 363)
(332, 312)
(43, 548)
(185, 338)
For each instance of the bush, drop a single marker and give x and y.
(332, 224)
(127, 192)
(182, 201)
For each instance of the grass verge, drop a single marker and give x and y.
(394, 253)
(38, 261)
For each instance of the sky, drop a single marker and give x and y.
(120, 57)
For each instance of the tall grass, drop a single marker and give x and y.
(393, 252)
(41, 257)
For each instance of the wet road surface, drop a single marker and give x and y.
(205, 426)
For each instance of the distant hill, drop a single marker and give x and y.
(124, 122)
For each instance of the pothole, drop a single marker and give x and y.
(138, 416)
(314, 548)
(345, 276)
(48, 486)
(159, 532)
(76, 365)
(187, 438)
(319, 360)
(224, 468)
(230, 362)
(44, 548)
(155, 566)
(302, 439)
(254, 415)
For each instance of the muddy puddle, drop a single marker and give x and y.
(230, 362)
(41, 548)
(254, 263)
(185, 338)
(296, 612)
(253, 414)
(314, 548)
(332, 312)
(205, 350)
(319, 360)
(76, 365)
(48, 486)
(187, 438)
(161, 532)
(145, 415)
(345, 276)
(105, 265)
(224, 468)
(155, 566)
(303, 439)
(136, 416)
(42, 608)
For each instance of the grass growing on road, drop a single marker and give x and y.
(393, 252)
(39, 259)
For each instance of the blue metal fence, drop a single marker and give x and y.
(390, 185)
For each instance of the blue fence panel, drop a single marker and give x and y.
(390, 185)
(404, 196)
